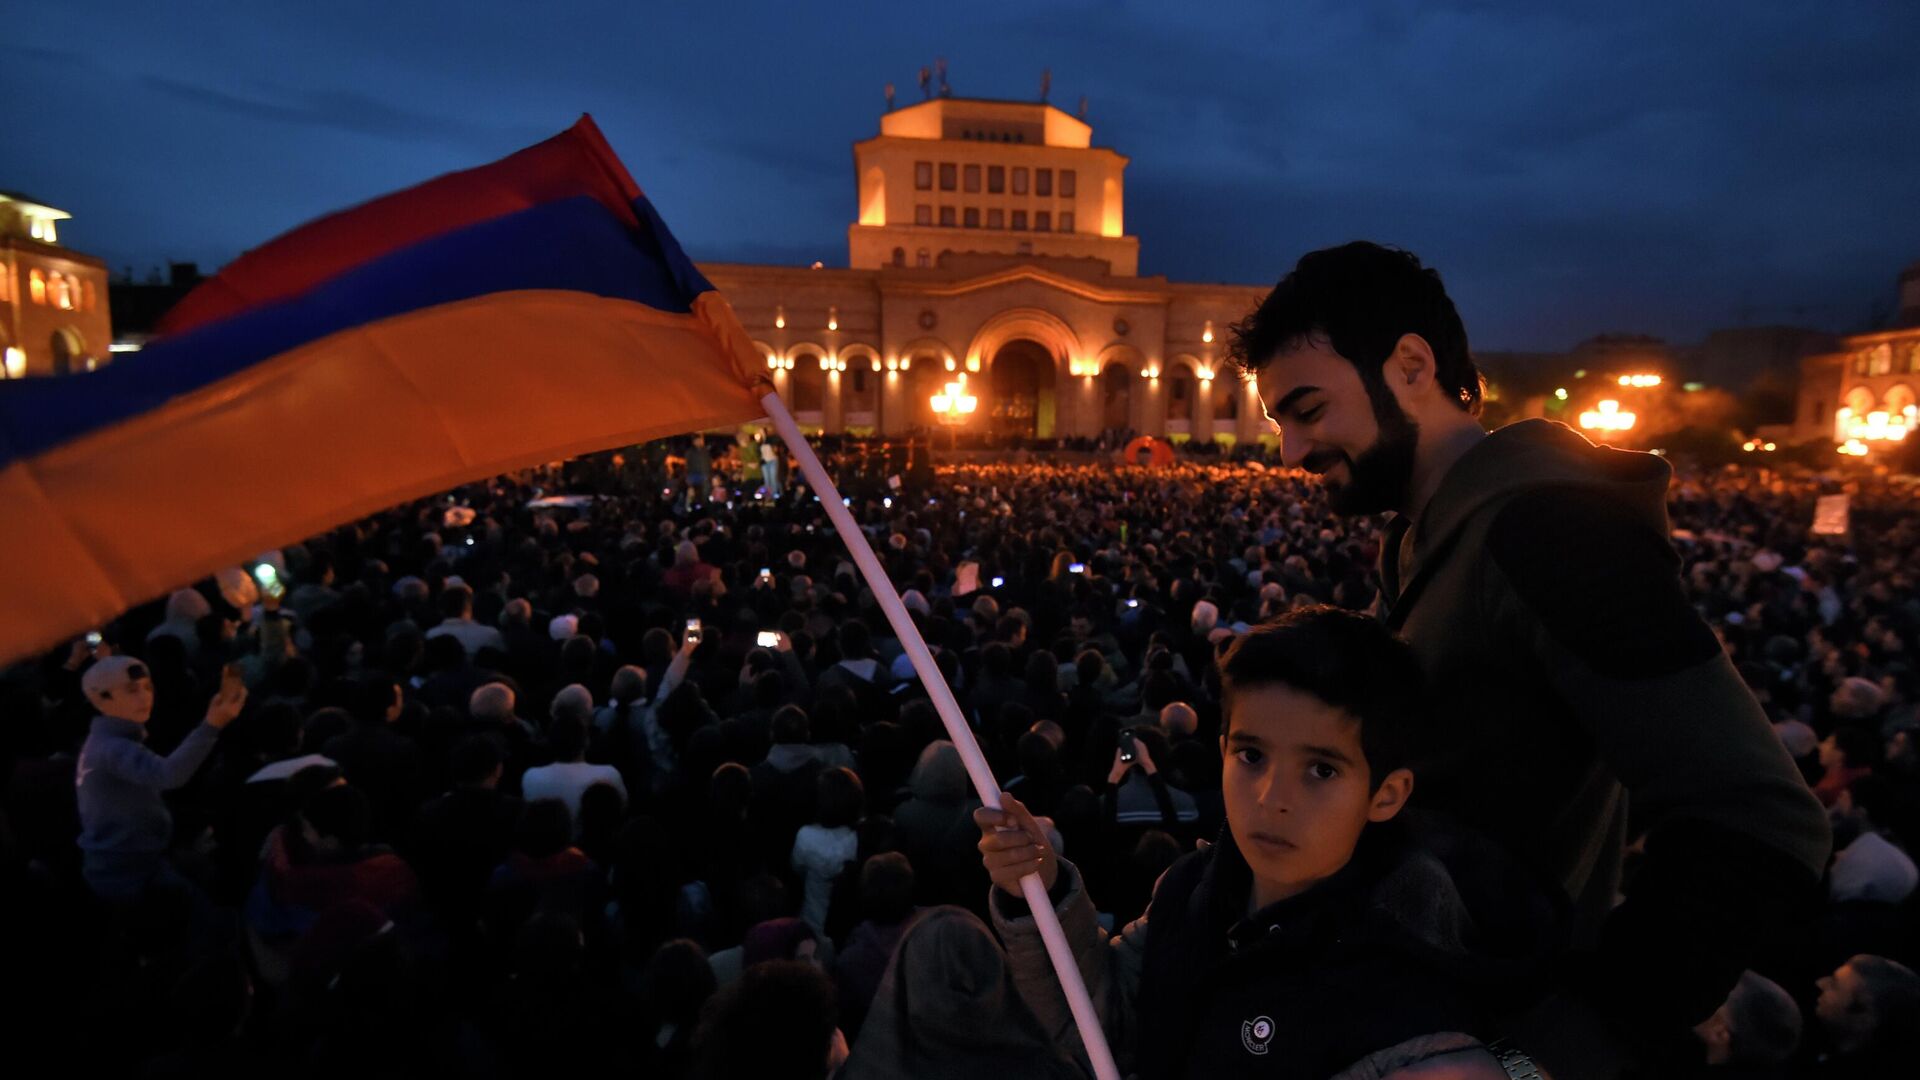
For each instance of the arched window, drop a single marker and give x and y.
(1180, 393)
(37, 286)
(807, 383)
(69, 351)
(922, 259)
(1228, 390)
(899, 256)
(1913, 359)
(1898, 400)
(62, 289)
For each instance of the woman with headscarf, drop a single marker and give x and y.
(947, 1009)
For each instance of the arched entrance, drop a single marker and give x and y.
(1021, 352)
(1181, 392)
(1116, 398)
(69, 352)
(1019, 400)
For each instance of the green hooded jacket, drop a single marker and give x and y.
(1574, 683)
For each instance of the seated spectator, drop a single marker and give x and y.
(947, 1007)
(569, 777)
(1871, 867)
(934, 826)
(1757, 1028)
(1869, 1014)
(544, 871)
(460, 837)
(375, 757)
(778, 1022)
(784, 784)
(823, 848)
(674, 987)
(1178, 721)
(1139, 795)
(1846, 755)
(456, 610)
(886, 903)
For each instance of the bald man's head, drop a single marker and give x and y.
(1179, 720)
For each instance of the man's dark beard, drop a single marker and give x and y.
(1378, 479)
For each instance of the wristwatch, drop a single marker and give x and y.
(1515, 1060)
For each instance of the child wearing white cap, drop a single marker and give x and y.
(125, 826)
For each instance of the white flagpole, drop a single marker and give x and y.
(984, 784)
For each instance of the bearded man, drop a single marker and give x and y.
(1532, 572)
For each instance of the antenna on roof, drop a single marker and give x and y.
(926, 82)
(940, 69)
(1082, 114)
(1046, 83)
(889, 97)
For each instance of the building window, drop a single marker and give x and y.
(1860, 360)
(1019, 180)
(923, 214)
(997, 219)
(949, 176)
(1066, 183)
(1913, 360)
(923, 176)
(1882, 359)
(946, 216)
(1042, 221)
(899, 256)
(970, 179)
(1020, 221)
(922, 259)
(859, 381)
(37, 286)
(1043, 182)
(1066, 221)
(971, 219)
(996, 179)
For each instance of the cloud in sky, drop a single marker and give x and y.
(1571, 169)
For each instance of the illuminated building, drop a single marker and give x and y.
(1867, 393)
(989, 248)
(53, 300)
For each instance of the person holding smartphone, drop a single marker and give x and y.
(125, 827)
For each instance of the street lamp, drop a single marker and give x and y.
(951, 406)
(1607, 416)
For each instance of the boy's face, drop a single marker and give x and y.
(1297, 788)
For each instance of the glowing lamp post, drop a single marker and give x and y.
(952, 405)
(1607, 416)
(1880, 427)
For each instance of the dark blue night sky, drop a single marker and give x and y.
(1659, 168)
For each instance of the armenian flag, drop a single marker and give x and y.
(486, 321)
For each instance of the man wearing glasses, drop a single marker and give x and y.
(125, 826)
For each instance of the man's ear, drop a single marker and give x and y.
(1411, 364)
(1391, 796)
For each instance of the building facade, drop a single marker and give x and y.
(1868, 390)
(989, 251)
(53, 300)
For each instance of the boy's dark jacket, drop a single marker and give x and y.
(1571, 676)
(1395, 946)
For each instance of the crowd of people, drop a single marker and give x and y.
(617, 763)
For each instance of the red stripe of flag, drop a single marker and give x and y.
(575, 162)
